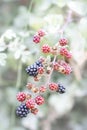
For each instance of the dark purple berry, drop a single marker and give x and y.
(61, 89)
(22, 110)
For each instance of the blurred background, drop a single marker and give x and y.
(19, 20)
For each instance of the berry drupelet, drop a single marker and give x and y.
(36, 39)
(46, 48)
(33, 69)
(61, 89)
(53, 86)
(39, 100)
(21, 96)
(22, 110)
(63, 41)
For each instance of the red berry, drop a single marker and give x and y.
(30, 103)
(55, 66)
(39, 100)
(65, 66)
(29, 86)
(63, 41)
(40, 70)
(68, 69)
(34, 111)
(21, 96)
(65, 52)
(36, 38)
(41, 33)
(53, 86)
(46, 48)
(42, 89)
(68, 55)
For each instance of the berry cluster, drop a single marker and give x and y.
(33, 69)
(44, 67)
(37, 36)
(28, 104)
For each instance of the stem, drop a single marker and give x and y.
(30, 6)
(49, 76)
(68, 20)
(19, 73)
(18, 84)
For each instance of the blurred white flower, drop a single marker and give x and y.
(9, 34)
(61, 103)
(31, 122)
(3, 57)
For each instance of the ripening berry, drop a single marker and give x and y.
(37, 78)
(28, 96)
(30, 103)
(40, 70)
(68, 55)
(46, 48)
(35, 90)
(65, 52)
(63, 41)
(41, 33)
(39, 100)
(54, 50)
(34, 111)
(55, 66)
(53, 86)
(29, 86)
(61, 70)
(42, 89)
(21, 96)
(36, 39)
(68, 69)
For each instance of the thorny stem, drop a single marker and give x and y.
(61, 32)
(49, 76)
(46, 123)
(68, 20)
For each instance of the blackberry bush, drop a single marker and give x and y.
(44, 67)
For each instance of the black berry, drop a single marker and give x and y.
(22, 110)
(33, 69)
(61, 89)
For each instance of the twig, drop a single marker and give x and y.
(46, 123)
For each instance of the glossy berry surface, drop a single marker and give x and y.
(46, 48)
(22, 111)
(40, 70)
(65, 52)
(61, 89)
(42, 89)
(53, 86)
(63, 41)
(21, 96)
(55, 66)
(39, 100)
(30, 103)
(33, 69)
(36, 39)
(41, 33)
